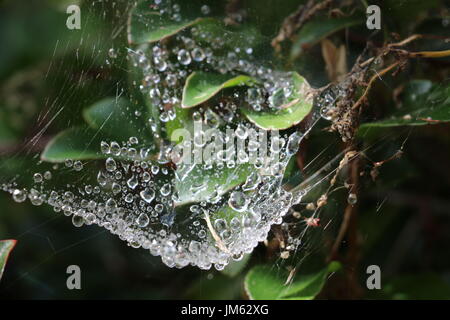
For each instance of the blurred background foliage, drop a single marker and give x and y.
(403, 219)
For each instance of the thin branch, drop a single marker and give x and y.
(371, 81)
(214, 234)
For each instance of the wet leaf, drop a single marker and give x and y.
(202, 86)
(265, 282)
(117, 118)
(196, 184)
(183, 120)
(316, 30)
(5, 249)
(78, 143)
(423, 103)
(251, 43)
(288, 115)
(148, 24)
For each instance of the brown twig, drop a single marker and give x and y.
(371, 81)
(296, 20)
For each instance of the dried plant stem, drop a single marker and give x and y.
(406, 41)
(430, 54)
(371, 81)
(214, 234)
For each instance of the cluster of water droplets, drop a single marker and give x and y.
(136, 193)
(138, 201)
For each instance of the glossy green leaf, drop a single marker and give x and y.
(183, 120)
(288, 115)
(5, 249)
(196, 184)
(141, 100)
(202, 86)
(117, 118)
(78, 143)
(147, 24)
(316, 30)
(265, 282)
(423, 103)
(251, 43)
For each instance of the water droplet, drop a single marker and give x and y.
(198, 54)
(252, 181)
(166, 189)
(19, 195)
(37, 177)
(77, 220)
(77, 166)
(352, 198)
(205, 9)
(147, 195)
(104, 147)
(184, 57)
(132, 182)
(115, 148)
(110, 164)
(143, 220)
(294, 143)
(238, 201)
(112, 53)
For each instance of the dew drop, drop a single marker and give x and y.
(238, 201)
(37, 177)
(143, 220)
(77, 220)
(147, 195)
(352, 198)
(184, 57)
(19, 195)
(110, 164)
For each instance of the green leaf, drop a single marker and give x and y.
(148, 24)
(288, 115)
(5, 249)
(236, 267)
(196, 184)
(116, 117)
(316, 30)
(141, 98)
(202, 86)
(265, 282)
(78, 143)
(183, 120)
(423, 103)
(243, 36)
